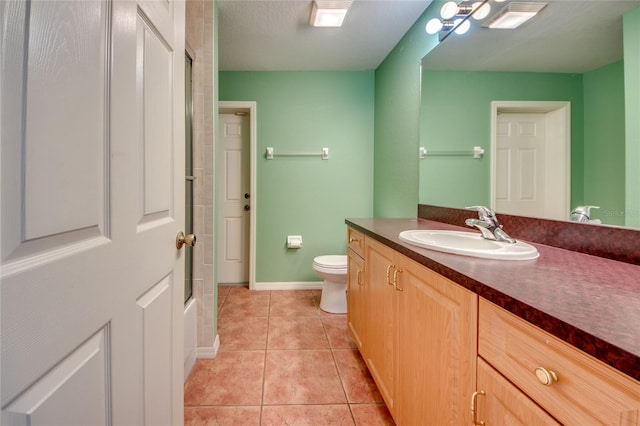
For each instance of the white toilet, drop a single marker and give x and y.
(333, 270)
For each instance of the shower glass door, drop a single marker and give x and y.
(188, 193)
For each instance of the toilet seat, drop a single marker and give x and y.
(331, 263)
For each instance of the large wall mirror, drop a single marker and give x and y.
(555, 88)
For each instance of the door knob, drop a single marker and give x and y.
(246, 207)
(182, 239)
(246, 195)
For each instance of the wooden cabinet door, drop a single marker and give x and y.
(381, 336)
(356, 288)
(587, 391)
(501, 403)
(437, 352)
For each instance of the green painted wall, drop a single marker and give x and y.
(308, 196)
(597, 145)
(631, 25)
(397, 121)
(604, 143)
(455, 115)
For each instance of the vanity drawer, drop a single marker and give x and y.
(587, 391)
(355, 241)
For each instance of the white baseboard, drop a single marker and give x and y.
(209, 352)
(291, 285)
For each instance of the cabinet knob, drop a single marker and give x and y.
(546, 377)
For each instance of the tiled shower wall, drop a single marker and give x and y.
(199, 37)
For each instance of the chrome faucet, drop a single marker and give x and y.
(488, 225)
(582, 213)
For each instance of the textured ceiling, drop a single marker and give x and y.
(268, 35)
(570, 36)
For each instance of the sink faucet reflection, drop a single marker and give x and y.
(582, 214)
(488, 225)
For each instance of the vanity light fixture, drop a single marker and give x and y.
(461, 26)
(329, 13)
(451, 9)
(455, 17)
(514, 14)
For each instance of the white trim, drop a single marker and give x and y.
(190, 336)
(561, 118)
(291, 285)
(252, 108)
(209, 352)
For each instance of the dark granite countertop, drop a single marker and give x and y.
(590, 302)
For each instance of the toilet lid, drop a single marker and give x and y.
(331, 261)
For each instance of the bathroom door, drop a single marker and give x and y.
(91, 201)
(234, 199)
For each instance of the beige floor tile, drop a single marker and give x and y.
(282, 361)
(307, 415)
(337, 329)
(242, 333)
(296, 333)
(302, 377)
(356, 379)
(371, 415)
(232, 378)
(297, 304)
(245, 305)
(222, 416)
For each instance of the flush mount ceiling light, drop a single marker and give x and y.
(514, 14)
(329, 13)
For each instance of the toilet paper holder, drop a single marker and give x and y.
(294, 241)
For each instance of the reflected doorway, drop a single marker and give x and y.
(530, 158)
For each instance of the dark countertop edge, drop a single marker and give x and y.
(618, 358)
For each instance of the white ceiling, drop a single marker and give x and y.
(275, 35)
(570, 36)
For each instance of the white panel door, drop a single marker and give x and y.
(234, 200)
(520, 164)
(92, 195)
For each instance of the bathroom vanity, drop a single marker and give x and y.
(452, 339)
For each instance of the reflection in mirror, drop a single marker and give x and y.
(571, 52)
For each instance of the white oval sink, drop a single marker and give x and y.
(469, 244)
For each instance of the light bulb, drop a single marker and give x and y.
(449, 10)
(433, 26)
(462, 28)
(481, 13)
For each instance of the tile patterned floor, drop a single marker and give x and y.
(282, 361)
